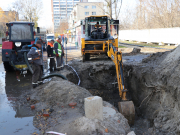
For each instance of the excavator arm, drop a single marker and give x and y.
(125, 107)
(117, 59)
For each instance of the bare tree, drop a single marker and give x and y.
(5, 17)
(29, 9)
(63, 26)
(155, 14)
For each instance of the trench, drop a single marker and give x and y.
(100, 80)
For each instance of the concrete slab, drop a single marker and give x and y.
(93, 107)
(131, 133)
(107, 111)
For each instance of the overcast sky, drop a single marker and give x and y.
(46, 18)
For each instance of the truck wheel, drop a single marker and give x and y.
(83, 58)
(8, 67)
(87, 56)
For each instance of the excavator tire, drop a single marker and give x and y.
(127, 109)
(86, 57)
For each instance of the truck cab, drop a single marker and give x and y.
(18, 35)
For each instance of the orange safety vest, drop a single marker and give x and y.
(50, 44)
(96, 26)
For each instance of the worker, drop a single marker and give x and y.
(58, 52)
(98, 27)
(50, 49)
(35, 57)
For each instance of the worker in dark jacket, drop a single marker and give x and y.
(50, 49)
(58, 52)
(35, 58)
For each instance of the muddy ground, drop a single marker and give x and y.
(152, 81)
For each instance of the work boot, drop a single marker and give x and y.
(34, 85)
(40, 82)
(51, 69)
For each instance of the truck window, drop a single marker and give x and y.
(21, 32)
(50, 37)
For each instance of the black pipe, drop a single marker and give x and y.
(27, 63)
(51, 75)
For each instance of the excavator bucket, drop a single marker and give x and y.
(126, 108)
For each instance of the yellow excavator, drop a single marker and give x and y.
(101, 37)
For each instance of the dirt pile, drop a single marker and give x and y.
(154, 86)
(54, 98)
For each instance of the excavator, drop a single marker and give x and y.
(98, 39)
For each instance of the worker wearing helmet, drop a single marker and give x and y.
(35, 57)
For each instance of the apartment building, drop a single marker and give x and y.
(61, 9)
(83, 9)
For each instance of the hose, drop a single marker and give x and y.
(76, 74)
(17, 68)
(27, 63)
(51, 75)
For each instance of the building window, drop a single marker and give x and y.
(56, 12)
(55, 2)
(62, 5)
(69, 9)
(56, 15)
(93, 7)
(56, 24)
(86, 13)
(63, 12)
(62, 8)
(55, 5)
(69, 0)
(69, 3)
(86, 7)
(76, 0)
(93, 13)
(56, 20)
(56, 8)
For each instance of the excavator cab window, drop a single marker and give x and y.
(93, 32)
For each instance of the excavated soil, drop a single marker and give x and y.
(153, 84)
(152, 81)
(53, 98)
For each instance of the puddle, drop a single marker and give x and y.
(15, 118)
(135, 58)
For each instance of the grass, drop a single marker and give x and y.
(149, 45)
(122, 47)
(0, 45)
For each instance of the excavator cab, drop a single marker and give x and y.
(104, 39)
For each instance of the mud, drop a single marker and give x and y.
(152, 81)
(53, 98)
(153, 84)
(154, 87)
